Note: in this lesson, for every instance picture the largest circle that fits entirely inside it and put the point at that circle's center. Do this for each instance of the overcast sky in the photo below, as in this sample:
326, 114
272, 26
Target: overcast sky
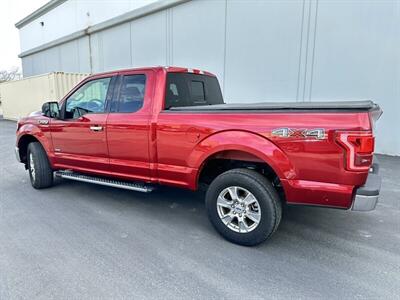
11, 11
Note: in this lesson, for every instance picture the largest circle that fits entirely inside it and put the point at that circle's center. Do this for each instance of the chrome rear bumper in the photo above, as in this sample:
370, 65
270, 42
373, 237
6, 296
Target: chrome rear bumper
17, 154
366, 197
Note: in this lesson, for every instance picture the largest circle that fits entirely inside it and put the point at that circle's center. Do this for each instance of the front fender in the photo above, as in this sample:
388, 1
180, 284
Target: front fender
244, 141
42, 134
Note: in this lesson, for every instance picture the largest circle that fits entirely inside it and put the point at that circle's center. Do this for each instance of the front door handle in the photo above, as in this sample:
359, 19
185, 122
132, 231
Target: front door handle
96, 128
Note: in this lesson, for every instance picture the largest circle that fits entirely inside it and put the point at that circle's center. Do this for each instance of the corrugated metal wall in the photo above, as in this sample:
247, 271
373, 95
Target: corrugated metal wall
73, 56
260, 50
21, 97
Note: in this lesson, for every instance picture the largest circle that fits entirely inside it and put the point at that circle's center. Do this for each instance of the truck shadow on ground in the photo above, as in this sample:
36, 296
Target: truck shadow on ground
300, 224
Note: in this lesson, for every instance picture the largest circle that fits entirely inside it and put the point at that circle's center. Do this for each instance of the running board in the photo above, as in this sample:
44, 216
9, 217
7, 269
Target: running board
105, 181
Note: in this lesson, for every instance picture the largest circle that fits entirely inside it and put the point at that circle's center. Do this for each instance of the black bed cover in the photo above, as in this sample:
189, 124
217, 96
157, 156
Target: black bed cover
365, 105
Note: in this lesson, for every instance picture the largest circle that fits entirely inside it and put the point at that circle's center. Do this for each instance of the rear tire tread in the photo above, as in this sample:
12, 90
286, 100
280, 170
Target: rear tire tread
267, 187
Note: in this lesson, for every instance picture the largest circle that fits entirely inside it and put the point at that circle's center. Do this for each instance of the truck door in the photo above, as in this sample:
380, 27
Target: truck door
79, 136
128, 126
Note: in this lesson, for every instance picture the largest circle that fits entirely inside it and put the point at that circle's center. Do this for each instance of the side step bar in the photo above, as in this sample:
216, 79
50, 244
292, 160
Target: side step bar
104, 181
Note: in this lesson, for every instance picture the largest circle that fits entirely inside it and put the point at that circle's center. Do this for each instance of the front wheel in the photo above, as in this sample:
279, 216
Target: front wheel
243, 206
40, 171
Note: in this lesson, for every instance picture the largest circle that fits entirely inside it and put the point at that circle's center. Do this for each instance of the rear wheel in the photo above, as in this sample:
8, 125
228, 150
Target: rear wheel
39, 168
243, 206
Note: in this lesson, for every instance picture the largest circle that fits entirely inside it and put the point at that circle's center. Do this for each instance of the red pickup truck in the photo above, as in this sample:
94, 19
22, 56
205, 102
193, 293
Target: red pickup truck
138, 128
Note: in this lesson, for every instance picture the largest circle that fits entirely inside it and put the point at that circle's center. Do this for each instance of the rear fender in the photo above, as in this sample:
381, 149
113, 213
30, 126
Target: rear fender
243, 141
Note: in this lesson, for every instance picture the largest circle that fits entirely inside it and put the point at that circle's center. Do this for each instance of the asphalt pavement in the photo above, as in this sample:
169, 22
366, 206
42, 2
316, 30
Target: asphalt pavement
79, 240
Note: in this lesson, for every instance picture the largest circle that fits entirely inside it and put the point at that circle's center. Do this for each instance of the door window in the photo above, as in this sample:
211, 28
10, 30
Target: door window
132, 93
89, 98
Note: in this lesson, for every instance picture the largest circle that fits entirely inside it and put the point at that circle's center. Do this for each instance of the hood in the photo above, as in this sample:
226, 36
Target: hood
35, 114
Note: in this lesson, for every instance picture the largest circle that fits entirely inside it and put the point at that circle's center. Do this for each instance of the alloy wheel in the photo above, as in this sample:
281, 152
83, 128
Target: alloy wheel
238, 209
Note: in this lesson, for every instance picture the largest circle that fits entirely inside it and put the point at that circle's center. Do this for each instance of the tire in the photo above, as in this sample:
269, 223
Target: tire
267, 209
40, 172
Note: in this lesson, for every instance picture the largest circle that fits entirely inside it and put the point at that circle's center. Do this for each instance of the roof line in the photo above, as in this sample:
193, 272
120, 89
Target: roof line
39, 12
65, 39
126, 17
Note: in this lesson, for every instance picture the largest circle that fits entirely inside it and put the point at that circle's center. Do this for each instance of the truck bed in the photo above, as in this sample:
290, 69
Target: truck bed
365, 105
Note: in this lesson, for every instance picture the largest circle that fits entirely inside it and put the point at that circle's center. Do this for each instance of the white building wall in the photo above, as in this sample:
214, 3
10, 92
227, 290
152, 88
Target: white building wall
260, 50
198, 36
72, 56
357, 57
72, 16
149, 38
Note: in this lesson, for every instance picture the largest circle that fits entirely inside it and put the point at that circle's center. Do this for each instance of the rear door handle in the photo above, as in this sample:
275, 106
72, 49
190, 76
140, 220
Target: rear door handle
96, 128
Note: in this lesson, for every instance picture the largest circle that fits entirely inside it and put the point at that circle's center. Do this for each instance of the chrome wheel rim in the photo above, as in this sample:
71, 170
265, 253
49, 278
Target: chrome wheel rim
238, 209
32, 167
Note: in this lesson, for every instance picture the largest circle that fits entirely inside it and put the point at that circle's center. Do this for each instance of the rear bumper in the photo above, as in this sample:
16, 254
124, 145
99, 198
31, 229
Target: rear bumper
366, 196
18, 157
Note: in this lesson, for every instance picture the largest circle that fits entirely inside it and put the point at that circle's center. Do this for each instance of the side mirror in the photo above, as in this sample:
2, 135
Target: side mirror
51, 109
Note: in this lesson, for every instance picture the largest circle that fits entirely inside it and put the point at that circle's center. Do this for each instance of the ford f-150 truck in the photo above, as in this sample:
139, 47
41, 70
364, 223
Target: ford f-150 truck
139, 128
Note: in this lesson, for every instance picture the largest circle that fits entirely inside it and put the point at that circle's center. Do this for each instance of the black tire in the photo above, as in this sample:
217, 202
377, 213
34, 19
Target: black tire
43, 177
267, 197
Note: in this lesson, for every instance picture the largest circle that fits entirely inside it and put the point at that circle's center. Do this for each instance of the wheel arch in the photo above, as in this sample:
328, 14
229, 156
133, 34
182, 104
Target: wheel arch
23, 143
28, 133
242, 146
249, 144
27, 137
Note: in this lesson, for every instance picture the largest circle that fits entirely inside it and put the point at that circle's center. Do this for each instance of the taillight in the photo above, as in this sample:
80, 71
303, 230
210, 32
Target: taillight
359, 147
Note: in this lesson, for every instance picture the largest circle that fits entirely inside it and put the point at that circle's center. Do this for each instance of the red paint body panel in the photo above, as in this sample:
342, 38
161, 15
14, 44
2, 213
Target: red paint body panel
171, 148
30, 126
318, 193
76, 145
128, 137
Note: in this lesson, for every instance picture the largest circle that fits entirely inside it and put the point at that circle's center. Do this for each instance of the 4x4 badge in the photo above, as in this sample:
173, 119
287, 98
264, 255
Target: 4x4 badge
318, 133
43, 122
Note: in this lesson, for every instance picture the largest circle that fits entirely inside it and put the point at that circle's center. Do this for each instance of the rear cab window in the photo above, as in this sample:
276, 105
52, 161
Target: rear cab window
187, 89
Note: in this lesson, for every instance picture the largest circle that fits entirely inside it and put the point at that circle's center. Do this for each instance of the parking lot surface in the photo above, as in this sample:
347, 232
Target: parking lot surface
78, 240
